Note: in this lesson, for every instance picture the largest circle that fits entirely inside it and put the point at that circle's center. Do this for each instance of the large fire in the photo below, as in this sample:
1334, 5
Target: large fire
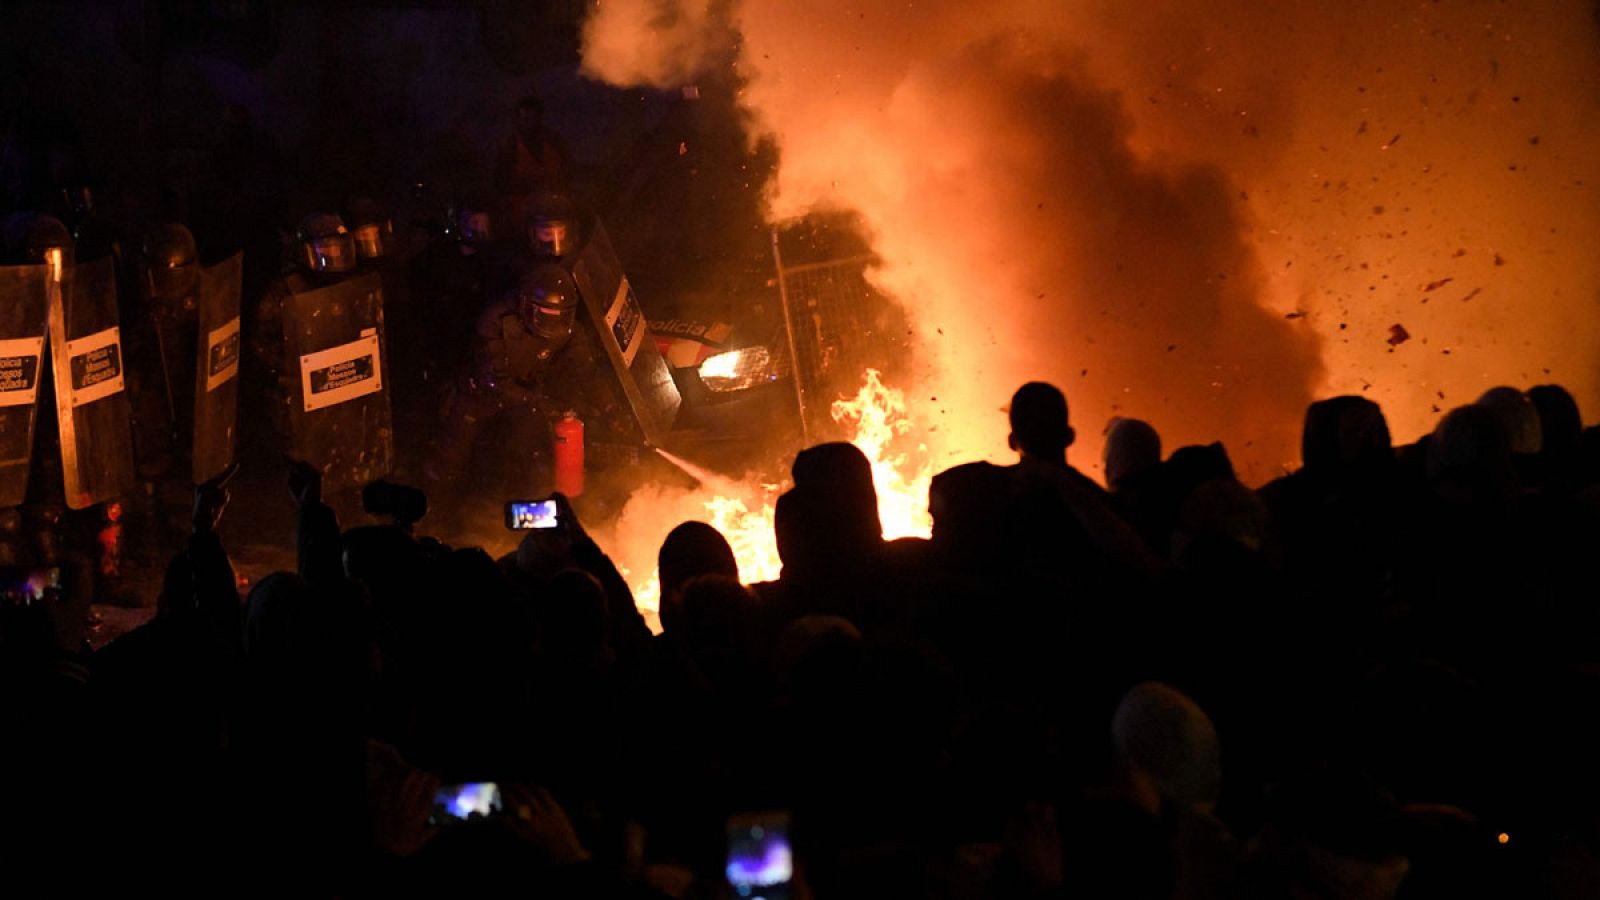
1200, 214
1204, 215
877, 421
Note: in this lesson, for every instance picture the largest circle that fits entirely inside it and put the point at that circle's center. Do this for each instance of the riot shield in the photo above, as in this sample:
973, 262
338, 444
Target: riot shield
635, 359
216, 382
91, 403
340, 418
23, 298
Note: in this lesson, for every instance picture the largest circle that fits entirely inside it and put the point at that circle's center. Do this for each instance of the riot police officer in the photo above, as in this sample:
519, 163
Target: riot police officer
520, 338
552, 227
320, 336
453, 279
38, 239
81, 464
372, 232
92, 236
326, 251
323, 254
377, 251
31, 531
160, 333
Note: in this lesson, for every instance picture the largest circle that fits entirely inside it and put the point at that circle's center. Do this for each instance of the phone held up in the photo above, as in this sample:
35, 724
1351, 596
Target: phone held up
522, 515
760, 864
465, 802
27, 586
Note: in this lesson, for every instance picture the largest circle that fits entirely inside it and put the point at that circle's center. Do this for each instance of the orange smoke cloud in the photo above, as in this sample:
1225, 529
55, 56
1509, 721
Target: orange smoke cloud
1201, 214
631, 42
1431, 166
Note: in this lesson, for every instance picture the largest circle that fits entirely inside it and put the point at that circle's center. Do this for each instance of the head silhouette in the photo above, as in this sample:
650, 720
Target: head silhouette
692, 549
1469, 455
1344, 431
1132, 447
1560, 426
1039, 428
843, 471
1517, 415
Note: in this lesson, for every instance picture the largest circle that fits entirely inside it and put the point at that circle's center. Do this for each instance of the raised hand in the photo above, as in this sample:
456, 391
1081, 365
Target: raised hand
211, 498
567, 518
537, 818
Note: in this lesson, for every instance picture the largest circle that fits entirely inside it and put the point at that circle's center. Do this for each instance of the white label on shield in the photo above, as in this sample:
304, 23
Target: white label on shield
332, 376
626, 322
222, 355
95, 366
19, 370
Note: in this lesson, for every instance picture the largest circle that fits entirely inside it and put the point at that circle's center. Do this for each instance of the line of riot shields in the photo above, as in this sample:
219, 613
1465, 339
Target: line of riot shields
120, 379
73, 362
112, 381
62, 344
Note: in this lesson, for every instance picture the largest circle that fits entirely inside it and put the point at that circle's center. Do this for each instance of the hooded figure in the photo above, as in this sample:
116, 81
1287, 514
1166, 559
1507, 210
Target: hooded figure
844, 471
690, 550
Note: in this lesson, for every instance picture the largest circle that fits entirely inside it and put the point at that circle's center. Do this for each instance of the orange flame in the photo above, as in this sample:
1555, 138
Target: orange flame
879, 419
1204, 215
879, 415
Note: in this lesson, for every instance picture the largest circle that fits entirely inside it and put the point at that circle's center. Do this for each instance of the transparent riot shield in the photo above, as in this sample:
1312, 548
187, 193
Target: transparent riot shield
619, 323
340, 416
23, 298
216, 381
92, 409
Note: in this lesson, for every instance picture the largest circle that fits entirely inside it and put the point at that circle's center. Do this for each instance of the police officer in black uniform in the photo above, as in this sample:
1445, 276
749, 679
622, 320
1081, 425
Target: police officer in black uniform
578, 381
32, 532
519, 339
552, 228
160, 334
323, 253
462, 269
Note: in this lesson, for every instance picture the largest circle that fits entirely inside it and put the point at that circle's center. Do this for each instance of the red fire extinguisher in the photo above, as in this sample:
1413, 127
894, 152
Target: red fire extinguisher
569, 454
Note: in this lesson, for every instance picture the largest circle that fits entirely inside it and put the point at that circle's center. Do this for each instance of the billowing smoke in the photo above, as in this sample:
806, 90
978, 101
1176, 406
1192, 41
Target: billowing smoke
663, 43
1202, 214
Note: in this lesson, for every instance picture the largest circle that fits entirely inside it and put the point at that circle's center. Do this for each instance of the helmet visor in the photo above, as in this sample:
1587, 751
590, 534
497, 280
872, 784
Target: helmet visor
551, 322
173, 281
552, 236
333, 253
370, 240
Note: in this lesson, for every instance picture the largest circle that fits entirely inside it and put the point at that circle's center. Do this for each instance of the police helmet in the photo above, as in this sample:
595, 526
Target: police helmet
548, 304
170, 261
371, 229
552, 226
38, 239
325, 245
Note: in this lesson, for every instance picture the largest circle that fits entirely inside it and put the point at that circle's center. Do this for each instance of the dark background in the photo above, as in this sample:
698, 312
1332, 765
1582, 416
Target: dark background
405, 103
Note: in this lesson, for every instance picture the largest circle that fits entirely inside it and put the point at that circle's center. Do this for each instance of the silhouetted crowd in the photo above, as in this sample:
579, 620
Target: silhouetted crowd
1375, 677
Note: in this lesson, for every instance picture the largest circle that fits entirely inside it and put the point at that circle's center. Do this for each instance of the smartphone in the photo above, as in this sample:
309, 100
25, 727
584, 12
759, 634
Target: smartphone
25, 585
465, 802
760, 864
524, 514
